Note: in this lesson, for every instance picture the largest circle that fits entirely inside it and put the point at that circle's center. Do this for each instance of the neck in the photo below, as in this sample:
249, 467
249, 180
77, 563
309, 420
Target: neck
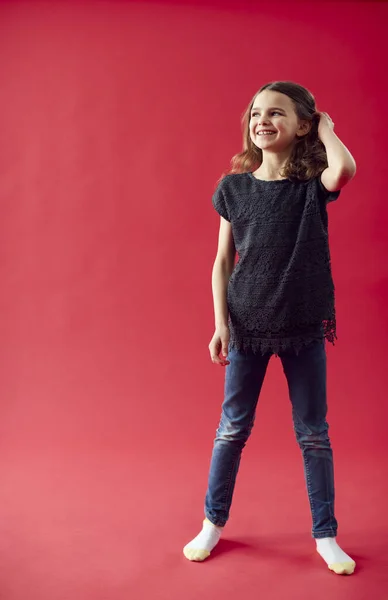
272, 165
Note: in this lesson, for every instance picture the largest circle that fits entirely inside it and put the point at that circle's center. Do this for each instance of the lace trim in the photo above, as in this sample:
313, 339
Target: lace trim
276, 345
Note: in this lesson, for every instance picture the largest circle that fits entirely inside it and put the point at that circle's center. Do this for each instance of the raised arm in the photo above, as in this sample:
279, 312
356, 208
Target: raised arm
342, 166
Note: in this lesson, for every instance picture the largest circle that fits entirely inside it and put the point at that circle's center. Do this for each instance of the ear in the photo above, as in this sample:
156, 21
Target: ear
304, 128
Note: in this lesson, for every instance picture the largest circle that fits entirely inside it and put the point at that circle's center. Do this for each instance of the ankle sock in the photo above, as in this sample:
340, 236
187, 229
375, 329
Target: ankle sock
336, 559
200, 547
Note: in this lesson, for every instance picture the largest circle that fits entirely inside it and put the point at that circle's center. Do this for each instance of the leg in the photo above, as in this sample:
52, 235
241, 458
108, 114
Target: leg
243, 381
306, 377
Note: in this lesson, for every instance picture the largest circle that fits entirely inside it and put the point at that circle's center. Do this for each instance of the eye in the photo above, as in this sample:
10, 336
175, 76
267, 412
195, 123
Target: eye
274, 112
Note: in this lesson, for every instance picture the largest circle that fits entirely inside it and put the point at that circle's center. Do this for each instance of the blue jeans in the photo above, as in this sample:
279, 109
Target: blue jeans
306, 377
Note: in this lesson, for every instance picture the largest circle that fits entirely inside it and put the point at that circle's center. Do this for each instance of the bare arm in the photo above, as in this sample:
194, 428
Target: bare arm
222, 270
342, 166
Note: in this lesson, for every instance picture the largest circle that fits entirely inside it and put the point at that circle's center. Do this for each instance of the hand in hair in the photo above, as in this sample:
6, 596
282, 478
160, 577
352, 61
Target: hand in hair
325, 123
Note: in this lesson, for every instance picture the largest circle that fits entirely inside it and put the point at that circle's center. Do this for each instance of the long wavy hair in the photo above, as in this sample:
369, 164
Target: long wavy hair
308, 158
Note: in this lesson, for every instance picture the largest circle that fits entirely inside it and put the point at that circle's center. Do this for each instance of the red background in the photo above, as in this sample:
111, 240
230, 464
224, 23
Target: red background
116, 120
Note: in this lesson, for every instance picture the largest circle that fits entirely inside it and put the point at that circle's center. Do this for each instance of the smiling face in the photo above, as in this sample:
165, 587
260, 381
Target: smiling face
274, 124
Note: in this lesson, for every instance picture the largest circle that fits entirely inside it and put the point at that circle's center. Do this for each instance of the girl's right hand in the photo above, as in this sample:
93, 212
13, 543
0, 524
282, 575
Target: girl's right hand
219, 343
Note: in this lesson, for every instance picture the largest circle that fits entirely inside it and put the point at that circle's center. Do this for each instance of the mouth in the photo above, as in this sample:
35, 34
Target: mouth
266, 132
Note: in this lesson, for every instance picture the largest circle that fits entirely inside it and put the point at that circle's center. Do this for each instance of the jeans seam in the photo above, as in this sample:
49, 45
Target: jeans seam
306, 466
228, 486
330, 500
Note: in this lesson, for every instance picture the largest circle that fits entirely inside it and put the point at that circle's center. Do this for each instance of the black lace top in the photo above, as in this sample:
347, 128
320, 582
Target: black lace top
281, 292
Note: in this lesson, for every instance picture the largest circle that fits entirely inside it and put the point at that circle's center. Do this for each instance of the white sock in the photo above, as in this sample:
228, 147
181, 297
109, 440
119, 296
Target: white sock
200, 547
336, 559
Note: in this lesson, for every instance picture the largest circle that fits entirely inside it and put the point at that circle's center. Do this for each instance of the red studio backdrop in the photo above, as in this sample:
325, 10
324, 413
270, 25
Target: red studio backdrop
116, 121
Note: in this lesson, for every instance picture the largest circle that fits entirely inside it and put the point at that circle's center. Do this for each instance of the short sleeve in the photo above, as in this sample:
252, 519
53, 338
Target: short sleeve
219, 203
324, 194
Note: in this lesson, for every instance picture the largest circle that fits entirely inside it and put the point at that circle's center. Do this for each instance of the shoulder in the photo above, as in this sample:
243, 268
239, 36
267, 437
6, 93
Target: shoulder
227, 193
233, 182
313, 189
317, 188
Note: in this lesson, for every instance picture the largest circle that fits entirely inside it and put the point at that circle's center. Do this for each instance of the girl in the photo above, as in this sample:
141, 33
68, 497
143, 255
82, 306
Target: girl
278, 298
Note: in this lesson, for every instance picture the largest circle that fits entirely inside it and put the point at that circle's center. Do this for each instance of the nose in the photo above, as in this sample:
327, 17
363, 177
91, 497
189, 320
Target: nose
264, 120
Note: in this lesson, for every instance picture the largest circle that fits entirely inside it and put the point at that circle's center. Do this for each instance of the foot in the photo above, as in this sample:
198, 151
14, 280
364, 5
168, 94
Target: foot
336, 559
200, 547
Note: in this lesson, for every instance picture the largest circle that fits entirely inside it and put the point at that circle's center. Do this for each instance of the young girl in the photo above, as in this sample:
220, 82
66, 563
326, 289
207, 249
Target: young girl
278, 298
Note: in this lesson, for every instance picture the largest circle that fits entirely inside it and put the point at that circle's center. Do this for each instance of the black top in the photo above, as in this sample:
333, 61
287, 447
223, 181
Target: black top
281, 292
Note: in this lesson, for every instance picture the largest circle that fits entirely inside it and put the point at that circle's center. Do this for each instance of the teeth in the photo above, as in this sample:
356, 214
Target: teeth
266, 132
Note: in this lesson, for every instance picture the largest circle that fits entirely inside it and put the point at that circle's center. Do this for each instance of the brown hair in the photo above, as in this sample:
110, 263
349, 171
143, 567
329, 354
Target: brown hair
308, 158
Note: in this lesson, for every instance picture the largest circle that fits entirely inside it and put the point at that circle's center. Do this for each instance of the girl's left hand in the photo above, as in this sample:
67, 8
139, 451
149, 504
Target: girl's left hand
325, 123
